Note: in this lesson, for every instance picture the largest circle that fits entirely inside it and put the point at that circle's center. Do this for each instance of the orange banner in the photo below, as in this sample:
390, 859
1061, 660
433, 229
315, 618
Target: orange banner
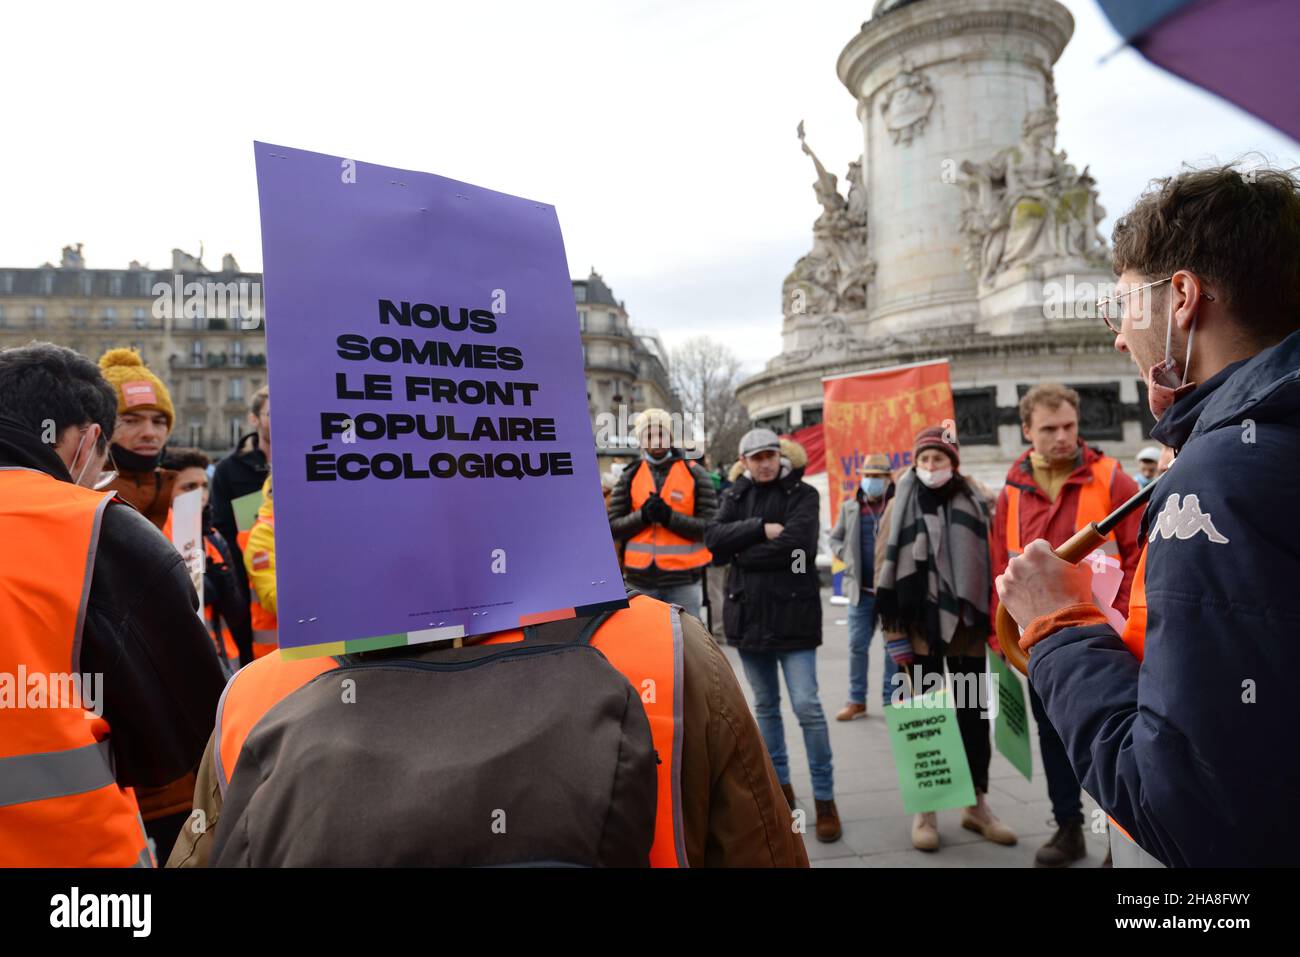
880, 411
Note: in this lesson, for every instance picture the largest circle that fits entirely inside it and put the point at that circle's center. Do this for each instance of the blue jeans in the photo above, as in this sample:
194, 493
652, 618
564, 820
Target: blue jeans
690, 597
862, 625
801, 681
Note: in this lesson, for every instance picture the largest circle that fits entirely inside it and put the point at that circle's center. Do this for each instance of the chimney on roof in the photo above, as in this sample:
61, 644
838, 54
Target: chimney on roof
184, 262
228, 263
72, 258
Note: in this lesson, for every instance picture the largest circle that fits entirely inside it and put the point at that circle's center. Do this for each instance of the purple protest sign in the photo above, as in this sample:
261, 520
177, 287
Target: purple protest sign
433, 469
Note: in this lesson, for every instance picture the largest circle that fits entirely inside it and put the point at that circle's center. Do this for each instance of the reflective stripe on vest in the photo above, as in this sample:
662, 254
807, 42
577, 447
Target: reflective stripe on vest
60, 804
643, 642
1093, 505
656, 544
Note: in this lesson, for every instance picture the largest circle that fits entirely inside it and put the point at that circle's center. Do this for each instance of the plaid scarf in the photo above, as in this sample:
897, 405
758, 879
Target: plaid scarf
937, 573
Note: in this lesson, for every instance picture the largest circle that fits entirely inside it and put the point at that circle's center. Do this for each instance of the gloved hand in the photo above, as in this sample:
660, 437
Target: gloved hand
656, 511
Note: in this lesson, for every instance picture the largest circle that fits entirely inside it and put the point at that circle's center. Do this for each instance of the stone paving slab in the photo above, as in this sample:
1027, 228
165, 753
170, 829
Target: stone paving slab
877, 833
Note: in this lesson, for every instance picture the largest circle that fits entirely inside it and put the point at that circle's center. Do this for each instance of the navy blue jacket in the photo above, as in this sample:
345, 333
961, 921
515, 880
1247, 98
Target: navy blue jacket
1196, 751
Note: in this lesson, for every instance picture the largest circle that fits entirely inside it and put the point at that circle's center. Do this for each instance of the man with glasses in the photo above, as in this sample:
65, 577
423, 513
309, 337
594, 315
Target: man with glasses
97, 606
1181, 725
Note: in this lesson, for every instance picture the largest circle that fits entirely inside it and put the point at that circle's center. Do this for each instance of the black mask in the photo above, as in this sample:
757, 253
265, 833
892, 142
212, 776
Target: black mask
128, 461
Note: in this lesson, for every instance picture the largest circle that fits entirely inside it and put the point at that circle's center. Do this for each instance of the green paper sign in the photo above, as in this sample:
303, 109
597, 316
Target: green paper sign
245, 508
1011, 726
932, 770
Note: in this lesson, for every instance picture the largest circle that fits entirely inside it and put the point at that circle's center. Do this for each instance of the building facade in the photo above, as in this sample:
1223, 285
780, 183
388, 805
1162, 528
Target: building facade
626, 367
200, 331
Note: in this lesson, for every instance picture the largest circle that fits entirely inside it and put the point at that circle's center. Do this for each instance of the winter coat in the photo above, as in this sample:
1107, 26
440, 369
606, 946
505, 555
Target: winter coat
149, 493
1055, 521
624, 523
240, 473
1193, 749
846, 544
773, 597
967, 642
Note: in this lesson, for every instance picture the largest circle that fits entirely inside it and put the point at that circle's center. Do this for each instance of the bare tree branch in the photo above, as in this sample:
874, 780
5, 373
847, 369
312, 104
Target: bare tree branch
705, 374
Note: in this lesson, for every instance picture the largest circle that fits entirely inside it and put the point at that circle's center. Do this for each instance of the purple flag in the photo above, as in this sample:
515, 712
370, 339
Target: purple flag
434, 474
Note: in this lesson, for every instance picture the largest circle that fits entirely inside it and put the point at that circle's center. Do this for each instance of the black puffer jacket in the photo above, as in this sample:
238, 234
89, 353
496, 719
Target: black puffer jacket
240, 473
773, 598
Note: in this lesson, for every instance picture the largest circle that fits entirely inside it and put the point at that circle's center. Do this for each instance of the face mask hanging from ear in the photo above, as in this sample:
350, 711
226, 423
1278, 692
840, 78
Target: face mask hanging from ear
84, 465
1165, 384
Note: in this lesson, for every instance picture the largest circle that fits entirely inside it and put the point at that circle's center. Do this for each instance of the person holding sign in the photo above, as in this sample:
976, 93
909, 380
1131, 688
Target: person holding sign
1054, 489
933, 587
1182, 726
660, 508
225, 608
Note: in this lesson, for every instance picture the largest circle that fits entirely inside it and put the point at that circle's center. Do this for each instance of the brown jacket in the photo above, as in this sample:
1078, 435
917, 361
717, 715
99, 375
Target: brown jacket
733, 810
150, 493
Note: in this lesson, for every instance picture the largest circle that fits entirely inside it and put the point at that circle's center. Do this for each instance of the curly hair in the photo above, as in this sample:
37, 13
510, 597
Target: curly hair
1237, 228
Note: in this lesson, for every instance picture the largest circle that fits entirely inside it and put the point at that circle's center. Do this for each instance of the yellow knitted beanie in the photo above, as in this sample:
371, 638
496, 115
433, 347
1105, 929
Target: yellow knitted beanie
138, 389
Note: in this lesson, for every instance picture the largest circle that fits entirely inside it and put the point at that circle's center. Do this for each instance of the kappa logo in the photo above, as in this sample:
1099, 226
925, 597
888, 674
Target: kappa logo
1182, 522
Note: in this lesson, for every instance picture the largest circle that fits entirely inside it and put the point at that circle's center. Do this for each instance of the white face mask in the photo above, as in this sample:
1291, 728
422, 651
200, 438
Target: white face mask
101, 479
936, 479
84, 465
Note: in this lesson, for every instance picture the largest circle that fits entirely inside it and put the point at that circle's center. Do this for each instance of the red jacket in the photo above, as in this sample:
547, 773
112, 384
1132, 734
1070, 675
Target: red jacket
1055, 521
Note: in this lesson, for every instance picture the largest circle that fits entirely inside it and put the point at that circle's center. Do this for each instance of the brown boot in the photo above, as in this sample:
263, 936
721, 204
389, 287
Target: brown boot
788, 791
828, 822
851, 711
1064, 848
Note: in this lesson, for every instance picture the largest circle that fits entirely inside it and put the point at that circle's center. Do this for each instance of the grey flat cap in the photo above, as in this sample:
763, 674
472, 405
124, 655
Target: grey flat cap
759, 440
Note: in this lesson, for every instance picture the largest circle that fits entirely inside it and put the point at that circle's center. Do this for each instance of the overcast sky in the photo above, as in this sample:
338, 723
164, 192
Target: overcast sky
663, 132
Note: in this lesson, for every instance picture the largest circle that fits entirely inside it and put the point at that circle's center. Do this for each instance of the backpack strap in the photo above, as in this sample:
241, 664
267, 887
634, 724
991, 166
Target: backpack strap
572, 630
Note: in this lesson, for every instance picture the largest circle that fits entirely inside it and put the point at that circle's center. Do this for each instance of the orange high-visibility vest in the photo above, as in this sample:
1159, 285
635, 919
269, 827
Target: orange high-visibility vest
60, 804
643, 641
1094, 505
656, 544
1135, 628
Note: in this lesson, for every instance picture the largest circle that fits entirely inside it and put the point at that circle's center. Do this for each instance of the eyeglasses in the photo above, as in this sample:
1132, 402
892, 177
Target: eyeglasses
1111, 308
